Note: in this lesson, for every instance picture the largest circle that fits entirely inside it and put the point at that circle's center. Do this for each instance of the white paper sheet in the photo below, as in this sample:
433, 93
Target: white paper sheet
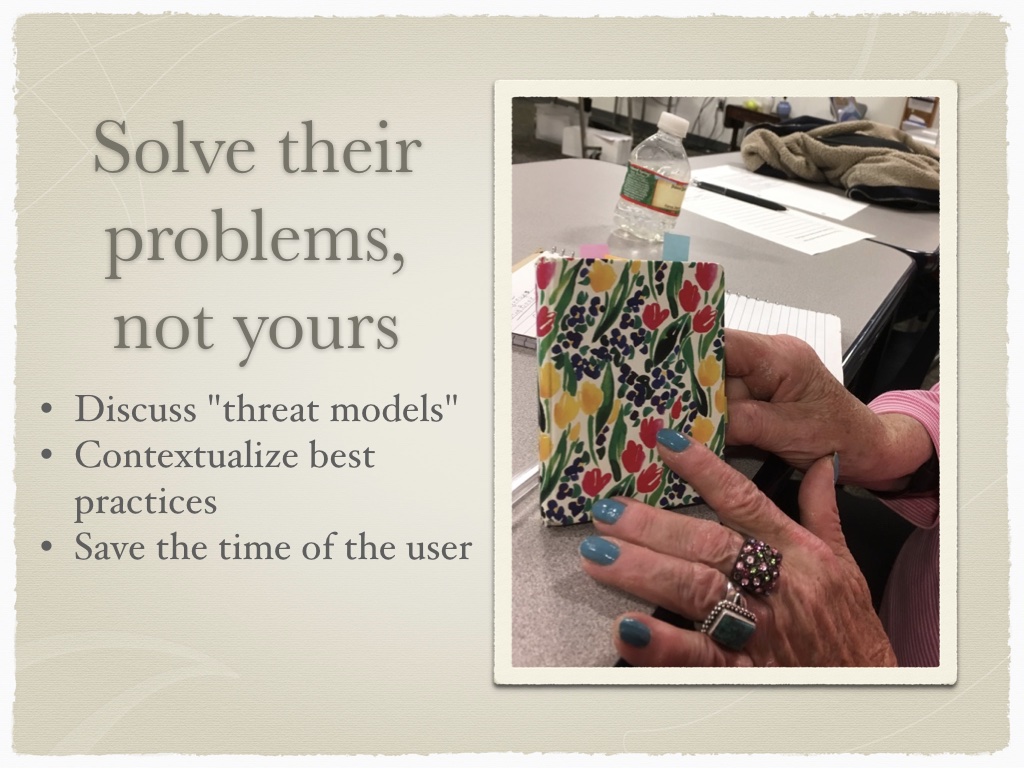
524, 302
790, 229
821, 331
789, 193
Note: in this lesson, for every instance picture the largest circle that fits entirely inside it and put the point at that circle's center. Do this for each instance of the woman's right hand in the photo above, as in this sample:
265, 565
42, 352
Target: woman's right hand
820, 615
782, 399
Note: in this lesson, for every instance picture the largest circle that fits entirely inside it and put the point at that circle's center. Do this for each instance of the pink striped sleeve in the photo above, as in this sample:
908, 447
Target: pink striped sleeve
923, 405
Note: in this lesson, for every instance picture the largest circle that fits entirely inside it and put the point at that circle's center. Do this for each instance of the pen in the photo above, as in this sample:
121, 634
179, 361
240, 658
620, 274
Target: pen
739, 195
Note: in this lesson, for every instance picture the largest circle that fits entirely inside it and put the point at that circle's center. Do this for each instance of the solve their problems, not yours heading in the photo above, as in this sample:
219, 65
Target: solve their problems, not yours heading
246, 238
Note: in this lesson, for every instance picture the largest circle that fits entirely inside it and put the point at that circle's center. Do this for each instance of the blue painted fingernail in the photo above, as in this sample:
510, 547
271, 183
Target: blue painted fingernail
835, 468
598, 550
608, 510
673, 440
634, 633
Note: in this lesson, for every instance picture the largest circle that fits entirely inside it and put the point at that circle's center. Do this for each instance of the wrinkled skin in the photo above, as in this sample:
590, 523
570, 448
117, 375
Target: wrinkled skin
781, 399
821, 612
784, 400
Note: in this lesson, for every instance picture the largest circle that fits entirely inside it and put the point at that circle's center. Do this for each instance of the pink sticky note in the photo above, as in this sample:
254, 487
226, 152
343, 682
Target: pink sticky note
594, 251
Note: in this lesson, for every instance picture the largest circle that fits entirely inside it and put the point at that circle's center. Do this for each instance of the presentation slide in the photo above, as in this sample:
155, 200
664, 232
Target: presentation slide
278, 483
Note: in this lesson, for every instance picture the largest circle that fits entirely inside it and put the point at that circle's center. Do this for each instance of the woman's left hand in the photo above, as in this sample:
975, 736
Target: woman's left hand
820, 614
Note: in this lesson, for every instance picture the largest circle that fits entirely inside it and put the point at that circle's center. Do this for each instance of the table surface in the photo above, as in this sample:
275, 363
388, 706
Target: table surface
560, 617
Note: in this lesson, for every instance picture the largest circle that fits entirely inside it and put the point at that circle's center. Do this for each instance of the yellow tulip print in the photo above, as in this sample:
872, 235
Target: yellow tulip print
703, 430
709, 371
565, 410
544, 446
591, 398
720, 399
574, 433
615, 411
602, 277
549, 380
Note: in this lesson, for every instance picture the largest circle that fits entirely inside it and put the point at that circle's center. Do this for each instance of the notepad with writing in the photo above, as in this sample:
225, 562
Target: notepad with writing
524, 303
624, 349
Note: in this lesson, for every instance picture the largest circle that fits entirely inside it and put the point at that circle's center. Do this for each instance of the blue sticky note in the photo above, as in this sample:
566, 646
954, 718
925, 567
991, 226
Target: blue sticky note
677, 247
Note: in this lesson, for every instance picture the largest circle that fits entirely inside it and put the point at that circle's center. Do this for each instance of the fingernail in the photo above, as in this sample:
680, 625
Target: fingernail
835, 468
634, 633
598, 550
673, 440
608, 510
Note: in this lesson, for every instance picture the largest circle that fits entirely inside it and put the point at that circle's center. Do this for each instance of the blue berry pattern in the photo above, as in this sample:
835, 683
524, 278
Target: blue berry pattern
624, 349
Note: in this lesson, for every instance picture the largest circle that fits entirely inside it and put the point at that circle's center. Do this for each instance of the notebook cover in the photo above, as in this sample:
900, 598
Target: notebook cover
624, 348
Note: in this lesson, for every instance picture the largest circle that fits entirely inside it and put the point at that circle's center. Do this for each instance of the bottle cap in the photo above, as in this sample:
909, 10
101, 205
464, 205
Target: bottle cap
673, 124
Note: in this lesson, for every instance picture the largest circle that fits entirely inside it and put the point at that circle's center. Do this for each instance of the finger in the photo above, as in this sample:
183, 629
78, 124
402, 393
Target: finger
766, 363
738, 502
753, 422
753, 357
817, 499
744, 352
736, 389
671, 533
644, 641
687, 588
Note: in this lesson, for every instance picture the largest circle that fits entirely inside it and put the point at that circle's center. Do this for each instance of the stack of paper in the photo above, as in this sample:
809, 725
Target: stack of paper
820, 202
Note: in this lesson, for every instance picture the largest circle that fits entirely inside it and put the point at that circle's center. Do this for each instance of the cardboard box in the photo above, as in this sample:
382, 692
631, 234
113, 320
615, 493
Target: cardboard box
605, 145
552, 119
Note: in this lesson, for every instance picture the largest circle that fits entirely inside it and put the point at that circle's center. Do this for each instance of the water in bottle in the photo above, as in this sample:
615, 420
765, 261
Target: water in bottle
658, 174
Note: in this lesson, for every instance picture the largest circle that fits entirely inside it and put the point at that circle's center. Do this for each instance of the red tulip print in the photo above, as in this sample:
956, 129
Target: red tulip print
677, 410
649, 479
545, 271
649, 429
689, 296
594, 481
545, 322
706, 274
633, 456
704, 320
654, 316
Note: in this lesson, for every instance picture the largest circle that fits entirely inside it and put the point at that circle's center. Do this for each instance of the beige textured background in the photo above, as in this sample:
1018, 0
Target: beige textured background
301, 657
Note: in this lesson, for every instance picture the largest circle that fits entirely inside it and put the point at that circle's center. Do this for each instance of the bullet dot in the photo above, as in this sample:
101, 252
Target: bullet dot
46, 453
383, 123
46, 407
46, 546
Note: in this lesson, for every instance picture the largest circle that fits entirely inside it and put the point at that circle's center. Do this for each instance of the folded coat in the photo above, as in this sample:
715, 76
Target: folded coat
874, 163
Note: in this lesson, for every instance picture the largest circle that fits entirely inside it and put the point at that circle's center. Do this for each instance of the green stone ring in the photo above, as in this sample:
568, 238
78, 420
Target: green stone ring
730, 623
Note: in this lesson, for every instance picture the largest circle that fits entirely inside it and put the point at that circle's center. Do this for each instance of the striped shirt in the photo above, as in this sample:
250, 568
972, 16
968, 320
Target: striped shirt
910, 606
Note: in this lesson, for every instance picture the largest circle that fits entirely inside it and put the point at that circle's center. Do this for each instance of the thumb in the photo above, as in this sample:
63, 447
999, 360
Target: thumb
817, 499
753, 422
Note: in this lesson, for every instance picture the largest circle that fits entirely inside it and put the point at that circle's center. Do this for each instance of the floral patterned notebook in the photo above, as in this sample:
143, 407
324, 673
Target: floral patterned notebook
624, 348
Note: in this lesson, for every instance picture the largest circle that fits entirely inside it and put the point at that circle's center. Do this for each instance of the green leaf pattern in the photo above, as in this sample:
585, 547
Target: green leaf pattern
636, 346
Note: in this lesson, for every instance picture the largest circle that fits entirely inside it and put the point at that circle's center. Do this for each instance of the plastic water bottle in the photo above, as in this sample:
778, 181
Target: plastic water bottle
659, 172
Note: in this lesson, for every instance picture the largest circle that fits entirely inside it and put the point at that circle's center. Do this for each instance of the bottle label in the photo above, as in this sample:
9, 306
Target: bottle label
652, 190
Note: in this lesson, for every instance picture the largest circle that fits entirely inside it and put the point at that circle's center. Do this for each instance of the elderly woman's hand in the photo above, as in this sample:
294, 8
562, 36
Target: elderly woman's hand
784, 400
820, 613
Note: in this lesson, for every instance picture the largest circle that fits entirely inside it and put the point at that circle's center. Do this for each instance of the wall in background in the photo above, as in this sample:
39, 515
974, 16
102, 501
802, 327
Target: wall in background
708, 123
